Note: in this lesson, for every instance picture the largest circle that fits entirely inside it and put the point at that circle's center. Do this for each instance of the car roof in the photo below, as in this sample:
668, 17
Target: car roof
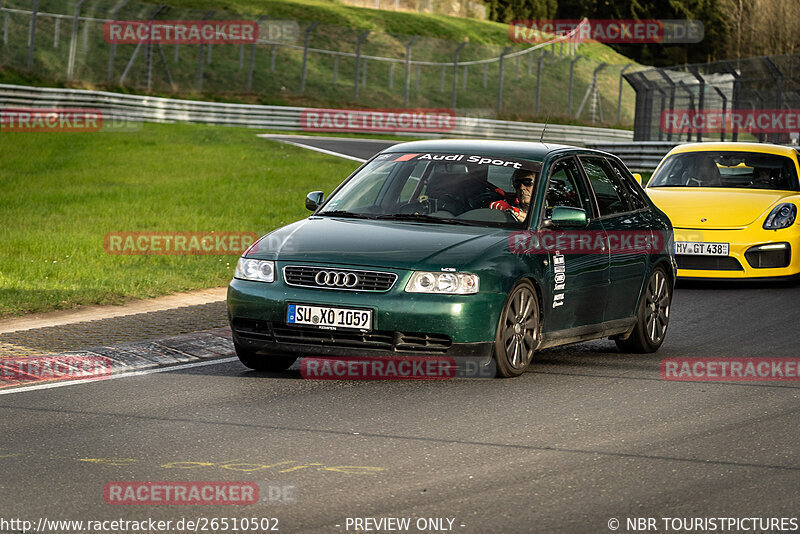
763, 148
516, 149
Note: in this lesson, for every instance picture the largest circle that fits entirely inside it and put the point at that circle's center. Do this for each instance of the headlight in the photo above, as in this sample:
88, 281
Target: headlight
255, 270
781, 216
450, 283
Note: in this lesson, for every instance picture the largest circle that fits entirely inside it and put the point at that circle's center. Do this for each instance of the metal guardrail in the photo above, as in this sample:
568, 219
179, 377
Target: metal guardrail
156, 109
640, 156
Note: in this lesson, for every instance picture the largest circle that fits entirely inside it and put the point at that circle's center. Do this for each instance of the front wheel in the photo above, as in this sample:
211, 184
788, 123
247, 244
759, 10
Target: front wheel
652, 318
517, 331
262, 362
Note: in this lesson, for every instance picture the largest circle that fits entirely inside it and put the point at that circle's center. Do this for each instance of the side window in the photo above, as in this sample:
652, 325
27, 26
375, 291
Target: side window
565, 188
609, 189
634, 193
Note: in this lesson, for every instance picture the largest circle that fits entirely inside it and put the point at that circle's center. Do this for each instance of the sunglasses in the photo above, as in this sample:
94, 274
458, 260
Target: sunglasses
523, 181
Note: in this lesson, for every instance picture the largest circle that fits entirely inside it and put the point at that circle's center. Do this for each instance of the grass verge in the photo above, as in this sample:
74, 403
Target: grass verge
62, 192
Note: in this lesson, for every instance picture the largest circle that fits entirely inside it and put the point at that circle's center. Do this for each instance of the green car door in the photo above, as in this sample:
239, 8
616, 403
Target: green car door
577, 284
624, 216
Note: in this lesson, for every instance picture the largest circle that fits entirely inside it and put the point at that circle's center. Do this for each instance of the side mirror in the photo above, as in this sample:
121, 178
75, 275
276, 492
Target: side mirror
566, 217
313, 200
638, 177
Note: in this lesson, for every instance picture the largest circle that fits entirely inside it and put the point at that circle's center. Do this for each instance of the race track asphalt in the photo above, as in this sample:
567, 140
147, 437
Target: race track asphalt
587, 436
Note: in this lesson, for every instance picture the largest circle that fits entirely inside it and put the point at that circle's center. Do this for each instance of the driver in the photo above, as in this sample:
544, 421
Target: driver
762, 179
523, 181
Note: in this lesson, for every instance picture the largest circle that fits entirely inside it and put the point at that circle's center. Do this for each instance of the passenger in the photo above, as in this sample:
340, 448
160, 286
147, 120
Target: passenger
761, 178
770, 179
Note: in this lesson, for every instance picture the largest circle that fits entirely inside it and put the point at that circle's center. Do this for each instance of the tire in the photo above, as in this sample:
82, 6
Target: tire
259, 362
652, 318
517, 331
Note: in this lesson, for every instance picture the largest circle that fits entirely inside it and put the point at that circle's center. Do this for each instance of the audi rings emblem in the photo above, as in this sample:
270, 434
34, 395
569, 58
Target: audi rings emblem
336, 279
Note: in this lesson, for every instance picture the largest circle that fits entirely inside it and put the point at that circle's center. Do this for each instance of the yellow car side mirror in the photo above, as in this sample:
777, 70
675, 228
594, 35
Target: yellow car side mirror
638, 177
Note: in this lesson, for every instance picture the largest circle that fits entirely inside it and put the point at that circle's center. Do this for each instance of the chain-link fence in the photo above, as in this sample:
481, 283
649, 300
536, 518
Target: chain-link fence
722, 91
301, 62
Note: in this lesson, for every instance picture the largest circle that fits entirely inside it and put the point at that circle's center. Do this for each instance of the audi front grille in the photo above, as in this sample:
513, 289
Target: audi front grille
338, 279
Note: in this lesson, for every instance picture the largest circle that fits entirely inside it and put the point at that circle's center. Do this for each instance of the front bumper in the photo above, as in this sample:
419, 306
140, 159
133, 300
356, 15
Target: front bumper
739, 265
274, 341
404, 324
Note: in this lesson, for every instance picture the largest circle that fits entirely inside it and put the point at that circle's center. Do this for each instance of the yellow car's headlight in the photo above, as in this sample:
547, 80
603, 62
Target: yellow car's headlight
781, 216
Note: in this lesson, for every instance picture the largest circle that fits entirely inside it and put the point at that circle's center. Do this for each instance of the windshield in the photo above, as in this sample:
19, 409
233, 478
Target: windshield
469, 189
744, 170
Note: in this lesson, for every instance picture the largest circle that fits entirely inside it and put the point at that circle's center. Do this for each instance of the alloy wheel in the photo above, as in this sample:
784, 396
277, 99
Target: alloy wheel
520, 328
657, 304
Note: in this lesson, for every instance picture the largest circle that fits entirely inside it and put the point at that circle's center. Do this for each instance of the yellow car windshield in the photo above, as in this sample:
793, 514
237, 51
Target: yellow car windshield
745, 170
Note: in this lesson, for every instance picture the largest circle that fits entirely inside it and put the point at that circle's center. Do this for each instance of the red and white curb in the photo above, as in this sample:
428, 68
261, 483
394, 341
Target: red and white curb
142, 357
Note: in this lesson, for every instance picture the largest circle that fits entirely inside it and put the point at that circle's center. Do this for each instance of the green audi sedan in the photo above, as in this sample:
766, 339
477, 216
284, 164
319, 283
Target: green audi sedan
474, 250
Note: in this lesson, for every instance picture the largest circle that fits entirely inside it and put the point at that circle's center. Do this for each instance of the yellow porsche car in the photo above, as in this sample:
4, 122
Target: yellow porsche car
733, 207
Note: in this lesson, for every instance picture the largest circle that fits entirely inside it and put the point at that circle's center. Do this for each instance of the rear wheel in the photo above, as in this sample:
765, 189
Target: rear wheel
653, 316
517, 331
259, 362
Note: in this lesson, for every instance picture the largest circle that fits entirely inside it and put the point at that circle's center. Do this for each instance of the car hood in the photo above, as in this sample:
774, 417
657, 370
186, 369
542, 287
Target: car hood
393, 244
714, 208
